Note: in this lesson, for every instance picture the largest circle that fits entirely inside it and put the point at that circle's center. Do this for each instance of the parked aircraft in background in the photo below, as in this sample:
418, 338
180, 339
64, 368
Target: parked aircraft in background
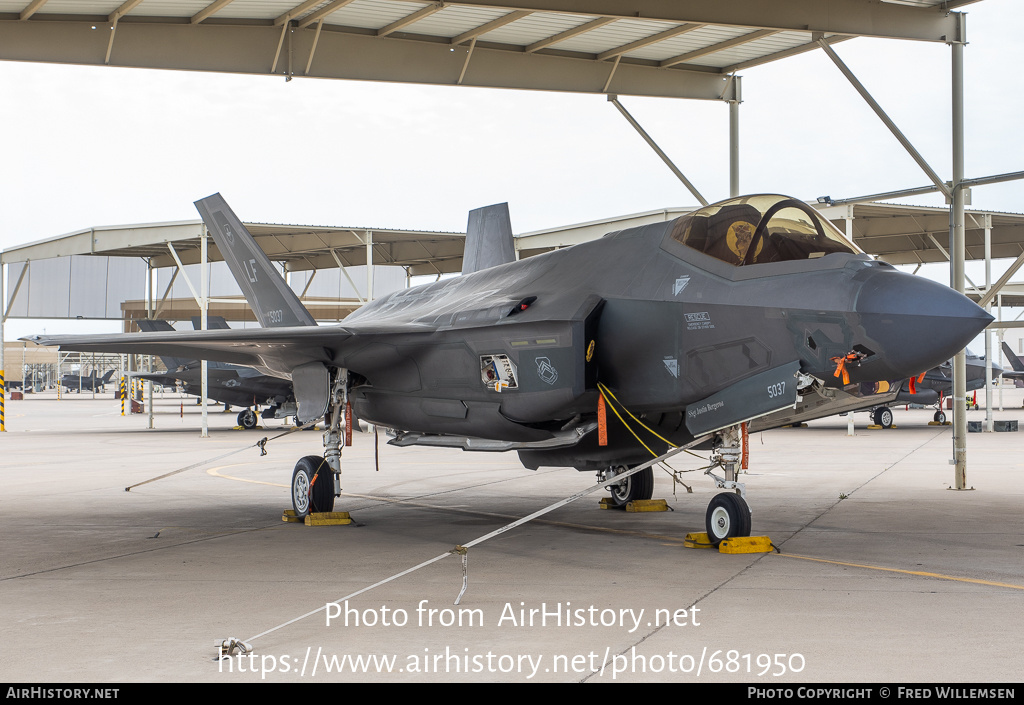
1017, 365
754, 309
77, 383
228, 384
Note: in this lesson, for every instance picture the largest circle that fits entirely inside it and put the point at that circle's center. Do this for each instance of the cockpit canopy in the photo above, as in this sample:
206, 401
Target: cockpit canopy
760, 229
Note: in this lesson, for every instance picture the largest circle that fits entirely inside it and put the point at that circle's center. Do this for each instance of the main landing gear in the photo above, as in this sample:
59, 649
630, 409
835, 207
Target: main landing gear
247, 418
638, 486
316, 481
882, 416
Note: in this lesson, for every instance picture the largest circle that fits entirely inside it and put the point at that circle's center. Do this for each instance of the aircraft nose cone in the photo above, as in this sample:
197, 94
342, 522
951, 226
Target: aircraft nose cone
915, 323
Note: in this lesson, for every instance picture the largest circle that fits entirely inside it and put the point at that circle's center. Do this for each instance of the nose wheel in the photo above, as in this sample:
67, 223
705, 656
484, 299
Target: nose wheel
728, 515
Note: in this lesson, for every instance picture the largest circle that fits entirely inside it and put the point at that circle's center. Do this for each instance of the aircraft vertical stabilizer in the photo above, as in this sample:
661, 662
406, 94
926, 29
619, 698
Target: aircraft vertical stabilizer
155, 324
270, 297
212, 323
489, 239
1012, 358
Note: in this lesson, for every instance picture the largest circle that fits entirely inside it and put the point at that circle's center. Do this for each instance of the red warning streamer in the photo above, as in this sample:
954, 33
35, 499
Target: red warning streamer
348, 423
602, 422
746, 446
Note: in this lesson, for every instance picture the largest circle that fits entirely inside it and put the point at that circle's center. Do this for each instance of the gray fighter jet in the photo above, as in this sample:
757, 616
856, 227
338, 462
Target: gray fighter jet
600, 356
929, 389
233, 385
78, 382
1017, 374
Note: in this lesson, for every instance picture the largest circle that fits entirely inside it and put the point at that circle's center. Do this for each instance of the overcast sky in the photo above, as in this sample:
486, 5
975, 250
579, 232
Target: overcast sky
87, 146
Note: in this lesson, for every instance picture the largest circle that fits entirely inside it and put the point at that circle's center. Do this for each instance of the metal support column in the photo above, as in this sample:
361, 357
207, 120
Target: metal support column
849, 236
734, 141
204, 305
987, 221
957, 252
369, 266
1002, 333
3, 378
149, 358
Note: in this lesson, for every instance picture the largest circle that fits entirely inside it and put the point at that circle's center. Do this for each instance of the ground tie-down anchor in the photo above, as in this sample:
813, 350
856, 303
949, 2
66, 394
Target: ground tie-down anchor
464, 552
229, 646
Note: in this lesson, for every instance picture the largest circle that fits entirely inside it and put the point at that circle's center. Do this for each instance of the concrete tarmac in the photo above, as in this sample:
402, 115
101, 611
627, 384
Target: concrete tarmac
885, 574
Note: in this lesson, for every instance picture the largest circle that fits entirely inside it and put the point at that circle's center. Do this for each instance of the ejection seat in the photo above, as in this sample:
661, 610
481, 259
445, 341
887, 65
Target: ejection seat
729, 232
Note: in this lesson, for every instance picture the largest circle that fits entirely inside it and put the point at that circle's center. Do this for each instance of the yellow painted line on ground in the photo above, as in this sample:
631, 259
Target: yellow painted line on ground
920, 573
215, 472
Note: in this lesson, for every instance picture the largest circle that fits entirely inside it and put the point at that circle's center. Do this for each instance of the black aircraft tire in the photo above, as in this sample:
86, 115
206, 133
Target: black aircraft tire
638, 486
312, 486
940, 417
885, 417
728, 515
247, 418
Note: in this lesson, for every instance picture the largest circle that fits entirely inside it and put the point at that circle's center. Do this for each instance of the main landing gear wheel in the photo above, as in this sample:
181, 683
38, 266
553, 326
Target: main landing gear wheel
728, 515
247, 418
940, 417
883, 417
312, 486
638, 486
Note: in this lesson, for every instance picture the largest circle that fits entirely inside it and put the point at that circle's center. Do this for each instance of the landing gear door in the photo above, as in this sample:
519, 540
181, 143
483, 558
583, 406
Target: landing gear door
760, 395
312, 386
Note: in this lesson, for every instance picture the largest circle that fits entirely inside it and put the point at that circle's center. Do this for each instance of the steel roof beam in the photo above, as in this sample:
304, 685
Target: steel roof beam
647, 41
410, 19
123, 10
784, 54
209, 10
322, 12
569, 34
489, 27
345, 55
714, 48
32, 8
295, 12
849, 17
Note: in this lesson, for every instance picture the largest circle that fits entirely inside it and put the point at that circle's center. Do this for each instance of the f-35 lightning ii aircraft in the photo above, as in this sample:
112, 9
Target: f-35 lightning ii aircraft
78, 383
227, 384
1017, 374
755, 309
931, 388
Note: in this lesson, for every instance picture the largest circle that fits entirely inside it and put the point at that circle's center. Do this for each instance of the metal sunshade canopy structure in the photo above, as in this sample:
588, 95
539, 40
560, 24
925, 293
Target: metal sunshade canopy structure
666, 48
297, 247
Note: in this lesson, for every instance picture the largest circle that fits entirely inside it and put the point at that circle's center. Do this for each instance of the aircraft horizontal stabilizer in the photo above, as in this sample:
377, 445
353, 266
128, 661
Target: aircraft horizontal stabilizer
274, 350
762, 394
